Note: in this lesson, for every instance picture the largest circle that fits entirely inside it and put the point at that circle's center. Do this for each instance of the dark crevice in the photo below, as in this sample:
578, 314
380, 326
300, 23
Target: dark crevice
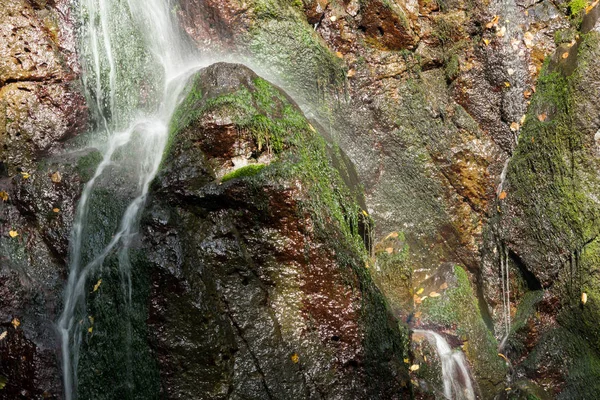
533, 283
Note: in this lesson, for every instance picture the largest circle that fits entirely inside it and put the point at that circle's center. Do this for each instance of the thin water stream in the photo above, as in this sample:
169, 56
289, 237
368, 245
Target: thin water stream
455, 372
136, 67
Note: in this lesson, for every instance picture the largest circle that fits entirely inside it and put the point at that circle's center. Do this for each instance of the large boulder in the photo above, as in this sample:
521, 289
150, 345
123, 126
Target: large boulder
259, 287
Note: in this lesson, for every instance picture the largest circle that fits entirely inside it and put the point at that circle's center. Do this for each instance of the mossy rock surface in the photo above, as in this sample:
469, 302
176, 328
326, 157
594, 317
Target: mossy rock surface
262, 275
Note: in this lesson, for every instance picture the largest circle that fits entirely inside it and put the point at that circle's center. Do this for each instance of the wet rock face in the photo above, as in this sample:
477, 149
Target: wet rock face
40, 107
251, 296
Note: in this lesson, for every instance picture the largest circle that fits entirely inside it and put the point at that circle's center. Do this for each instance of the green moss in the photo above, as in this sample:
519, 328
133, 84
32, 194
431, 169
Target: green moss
577, 6
247, 171
87, 165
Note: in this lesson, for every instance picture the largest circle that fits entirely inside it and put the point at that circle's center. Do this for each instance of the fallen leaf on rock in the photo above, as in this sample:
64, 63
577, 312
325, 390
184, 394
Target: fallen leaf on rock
295, 358
406, 361
25, 175
420, 291
4, 196
583, 298
527, 94
417, 299
502, 195
434, 294
56, 177
514, 126
444, 286
392, 235
3, 335
15, 322
339, 54
503, 356
528, 39
90, 329
97, 285
414, 367
493, 22
13, 234
542, 117
366, 214
486, 42
351, 73
523, 119
389, 250
507, 84
56, 210
565, 55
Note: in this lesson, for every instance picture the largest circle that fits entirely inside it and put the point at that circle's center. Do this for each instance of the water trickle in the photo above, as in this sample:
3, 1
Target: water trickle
135, 72
455, 373
505, 278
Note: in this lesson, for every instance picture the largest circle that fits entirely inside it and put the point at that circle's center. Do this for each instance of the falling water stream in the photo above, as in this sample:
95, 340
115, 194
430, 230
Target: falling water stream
135, 70
455, 373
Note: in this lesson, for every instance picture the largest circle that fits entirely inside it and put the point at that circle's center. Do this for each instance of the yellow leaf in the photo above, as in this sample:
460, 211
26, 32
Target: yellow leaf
444, 286
4, 196
514, 126
366, 264
523, 119
90, 329
425, 358
25, 175
493, 22
91, 319
392, 235
15, 322
339, 54
502, 195
503, 356
311, 128
3, 335
420, 291
406, 361
56, 177
414, 367
486, 41
295, 358
434, 294
366, 214
97, 285
389, 250
583, 298
56, 210
351, 73
13, 234
507, 84
565, 55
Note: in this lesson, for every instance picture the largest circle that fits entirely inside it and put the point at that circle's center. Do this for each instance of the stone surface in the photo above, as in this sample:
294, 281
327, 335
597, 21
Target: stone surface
271, 302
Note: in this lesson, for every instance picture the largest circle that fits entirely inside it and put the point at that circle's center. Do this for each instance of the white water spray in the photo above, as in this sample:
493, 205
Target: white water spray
138, 127
455, 373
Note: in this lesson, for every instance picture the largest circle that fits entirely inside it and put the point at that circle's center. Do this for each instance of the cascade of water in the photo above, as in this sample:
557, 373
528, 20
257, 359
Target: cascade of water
505, 278
455, 373
114, 35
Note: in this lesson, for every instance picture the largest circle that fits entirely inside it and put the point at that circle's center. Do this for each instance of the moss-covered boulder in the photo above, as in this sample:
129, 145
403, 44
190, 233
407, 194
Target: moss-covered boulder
259, 287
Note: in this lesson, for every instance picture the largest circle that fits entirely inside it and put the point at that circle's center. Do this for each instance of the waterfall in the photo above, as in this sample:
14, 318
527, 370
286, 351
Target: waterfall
135, 67
455, 373
505, 278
